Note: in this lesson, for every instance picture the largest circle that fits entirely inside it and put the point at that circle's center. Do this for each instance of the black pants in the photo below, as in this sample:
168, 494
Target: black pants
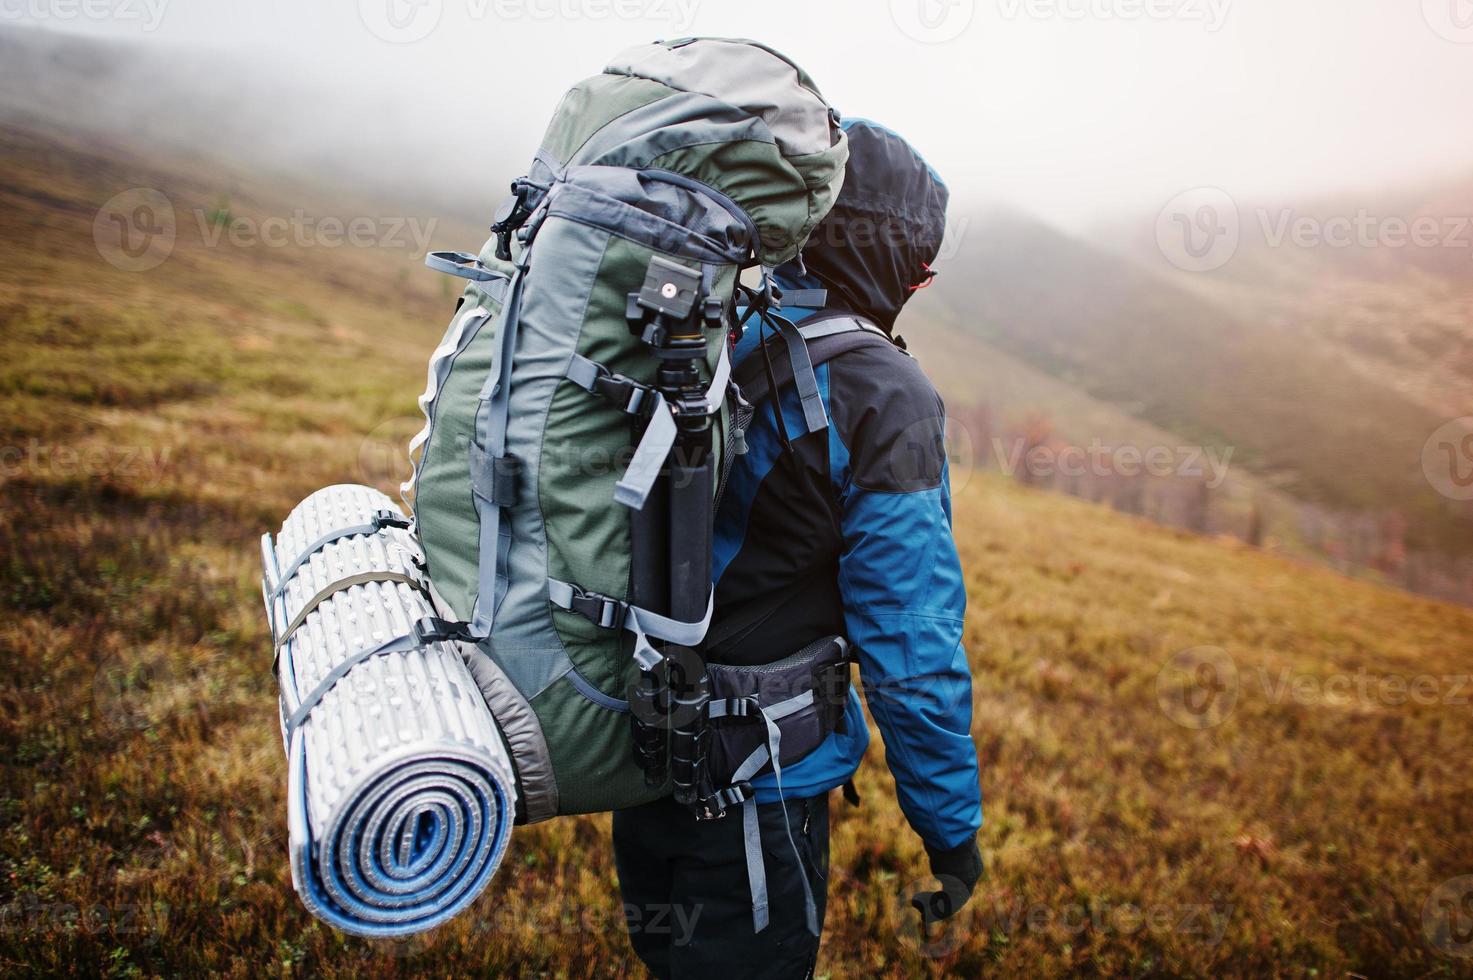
687, 901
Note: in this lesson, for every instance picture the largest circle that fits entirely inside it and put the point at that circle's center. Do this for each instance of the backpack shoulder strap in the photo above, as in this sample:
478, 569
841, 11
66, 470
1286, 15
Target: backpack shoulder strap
826, 338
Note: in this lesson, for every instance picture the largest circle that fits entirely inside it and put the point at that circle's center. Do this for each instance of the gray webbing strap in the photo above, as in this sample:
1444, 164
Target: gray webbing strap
327, 592
829, 326
808, 299
716, 390
649, 456
595, 378
399, 644
495, 531
347, 532
609, 613
732, 707
658, 439
815, 418
751, 833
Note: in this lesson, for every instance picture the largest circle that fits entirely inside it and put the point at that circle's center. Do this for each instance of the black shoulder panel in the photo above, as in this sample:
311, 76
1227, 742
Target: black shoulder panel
889, 416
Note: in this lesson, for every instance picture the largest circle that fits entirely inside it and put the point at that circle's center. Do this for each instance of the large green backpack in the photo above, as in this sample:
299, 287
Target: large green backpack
551, 427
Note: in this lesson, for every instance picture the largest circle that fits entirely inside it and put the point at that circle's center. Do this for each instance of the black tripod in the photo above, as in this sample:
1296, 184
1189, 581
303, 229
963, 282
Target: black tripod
671, 536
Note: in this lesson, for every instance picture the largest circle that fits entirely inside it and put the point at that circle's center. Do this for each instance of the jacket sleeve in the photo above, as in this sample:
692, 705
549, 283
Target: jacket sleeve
903, 592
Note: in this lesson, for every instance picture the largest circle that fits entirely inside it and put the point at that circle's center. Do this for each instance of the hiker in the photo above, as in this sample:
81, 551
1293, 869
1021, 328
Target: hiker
838, 529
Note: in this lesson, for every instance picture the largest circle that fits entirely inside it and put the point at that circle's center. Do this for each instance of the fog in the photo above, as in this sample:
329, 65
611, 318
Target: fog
1077, 110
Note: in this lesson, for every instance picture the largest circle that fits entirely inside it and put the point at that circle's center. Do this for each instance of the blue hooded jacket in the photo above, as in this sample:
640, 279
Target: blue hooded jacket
848, 530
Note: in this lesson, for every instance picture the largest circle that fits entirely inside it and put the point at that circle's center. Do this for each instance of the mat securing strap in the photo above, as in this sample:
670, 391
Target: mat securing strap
346, 582
381, 520
426, 631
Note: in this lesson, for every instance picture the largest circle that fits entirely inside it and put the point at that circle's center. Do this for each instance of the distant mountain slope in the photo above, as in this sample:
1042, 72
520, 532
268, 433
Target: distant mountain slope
1296, 412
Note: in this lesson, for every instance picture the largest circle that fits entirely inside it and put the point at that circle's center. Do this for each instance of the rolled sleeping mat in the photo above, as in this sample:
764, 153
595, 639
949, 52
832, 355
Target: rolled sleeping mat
400, 791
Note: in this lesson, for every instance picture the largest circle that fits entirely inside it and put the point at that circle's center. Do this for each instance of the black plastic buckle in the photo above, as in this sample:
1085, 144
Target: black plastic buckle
625, 394
714, 806
600, 610
388, 518
511, 215
432, 629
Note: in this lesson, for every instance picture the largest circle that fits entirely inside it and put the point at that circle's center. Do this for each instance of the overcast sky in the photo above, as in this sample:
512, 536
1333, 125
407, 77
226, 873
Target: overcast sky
1073, 109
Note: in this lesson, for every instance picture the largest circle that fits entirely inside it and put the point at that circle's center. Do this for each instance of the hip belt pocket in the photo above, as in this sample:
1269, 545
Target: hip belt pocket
803, 696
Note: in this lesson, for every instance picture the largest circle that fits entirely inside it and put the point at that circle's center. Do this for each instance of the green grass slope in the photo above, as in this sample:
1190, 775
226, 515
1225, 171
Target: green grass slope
155, 424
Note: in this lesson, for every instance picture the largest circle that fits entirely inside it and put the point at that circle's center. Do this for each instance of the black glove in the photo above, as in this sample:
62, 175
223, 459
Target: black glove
959, 870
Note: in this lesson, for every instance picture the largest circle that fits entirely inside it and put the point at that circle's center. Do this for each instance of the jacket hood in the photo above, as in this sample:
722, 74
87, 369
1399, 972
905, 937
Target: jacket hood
875, 246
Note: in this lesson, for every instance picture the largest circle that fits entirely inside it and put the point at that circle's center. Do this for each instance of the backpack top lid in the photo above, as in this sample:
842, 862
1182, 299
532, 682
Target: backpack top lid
730, 113
875, 247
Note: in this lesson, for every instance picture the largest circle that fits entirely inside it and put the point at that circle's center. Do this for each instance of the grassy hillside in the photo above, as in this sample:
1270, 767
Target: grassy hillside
155, 423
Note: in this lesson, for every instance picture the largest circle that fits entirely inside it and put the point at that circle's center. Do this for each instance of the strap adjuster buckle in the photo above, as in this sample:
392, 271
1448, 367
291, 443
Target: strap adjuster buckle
388, 518
600, 610
625, 394
432, 629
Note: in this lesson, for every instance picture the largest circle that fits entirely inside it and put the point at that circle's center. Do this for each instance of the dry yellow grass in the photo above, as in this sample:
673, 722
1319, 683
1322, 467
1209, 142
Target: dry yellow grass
156, 423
